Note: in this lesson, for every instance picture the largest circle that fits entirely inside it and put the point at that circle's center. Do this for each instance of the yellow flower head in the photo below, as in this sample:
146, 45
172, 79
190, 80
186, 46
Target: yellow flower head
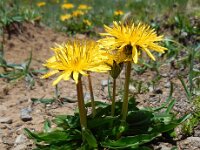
41, 4
77, 13
67, 6
65, 17
87, 22
74, 59
118, 12
84, 7
132, 39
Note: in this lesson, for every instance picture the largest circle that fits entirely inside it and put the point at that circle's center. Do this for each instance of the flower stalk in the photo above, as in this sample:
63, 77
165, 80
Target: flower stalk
81, 105
126, 91
91, 95
113, 98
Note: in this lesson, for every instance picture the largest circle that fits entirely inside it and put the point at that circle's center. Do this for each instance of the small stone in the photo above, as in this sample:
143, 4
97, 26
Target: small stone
104, 83
20, 139
164, 75
167, 85
87, 97
48, 105
3, 109
197, 133
3, 126
38, 111
25, 114
163, 147
194, 141
20, 147
150, 88
184, 34
80, 36
132, 89
6, 120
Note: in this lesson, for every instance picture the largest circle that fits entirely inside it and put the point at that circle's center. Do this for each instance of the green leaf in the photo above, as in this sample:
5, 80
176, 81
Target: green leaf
52, 137
67, 121
139, 117
170, 106
60, 119
160, 128
91, 140
98, 122
187, 91
43, 100
130, 141
97, 104
163, 117
47, 126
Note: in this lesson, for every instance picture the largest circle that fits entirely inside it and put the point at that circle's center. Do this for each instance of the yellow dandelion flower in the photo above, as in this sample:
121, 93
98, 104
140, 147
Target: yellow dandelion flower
84, 7
118, 13
41, 4
74, 59
131, 39
87, 22
77, 13
67, 6
65, 17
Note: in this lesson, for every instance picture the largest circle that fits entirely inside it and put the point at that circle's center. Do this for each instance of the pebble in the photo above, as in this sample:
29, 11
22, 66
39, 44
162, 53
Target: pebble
150, 88
20, 139
104, 83
164, 75
132, 89
167, 85
194, 141
25, 114
80, 36
3, 126
20, 147
6, 120
87, 97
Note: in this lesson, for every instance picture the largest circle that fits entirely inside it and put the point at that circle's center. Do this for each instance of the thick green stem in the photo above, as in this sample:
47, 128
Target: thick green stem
81, 105
91, 95
126, 91
113, 98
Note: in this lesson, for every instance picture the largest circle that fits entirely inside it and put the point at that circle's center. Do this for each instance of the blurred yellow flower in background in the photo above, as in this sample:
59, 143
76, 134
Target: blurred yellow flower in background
65, 17
84, 7
75, 58
118, 12
87, 22
67, 6
41, 4
131, 39
77, 13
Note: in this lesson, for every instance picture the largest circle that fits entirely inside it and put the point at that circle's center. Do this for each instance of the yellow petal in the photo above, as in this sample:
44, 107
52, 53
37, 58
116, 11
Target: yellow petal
49, 74
75, 76
149, 54
58, 79
135, 55
83, 73
67, 75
